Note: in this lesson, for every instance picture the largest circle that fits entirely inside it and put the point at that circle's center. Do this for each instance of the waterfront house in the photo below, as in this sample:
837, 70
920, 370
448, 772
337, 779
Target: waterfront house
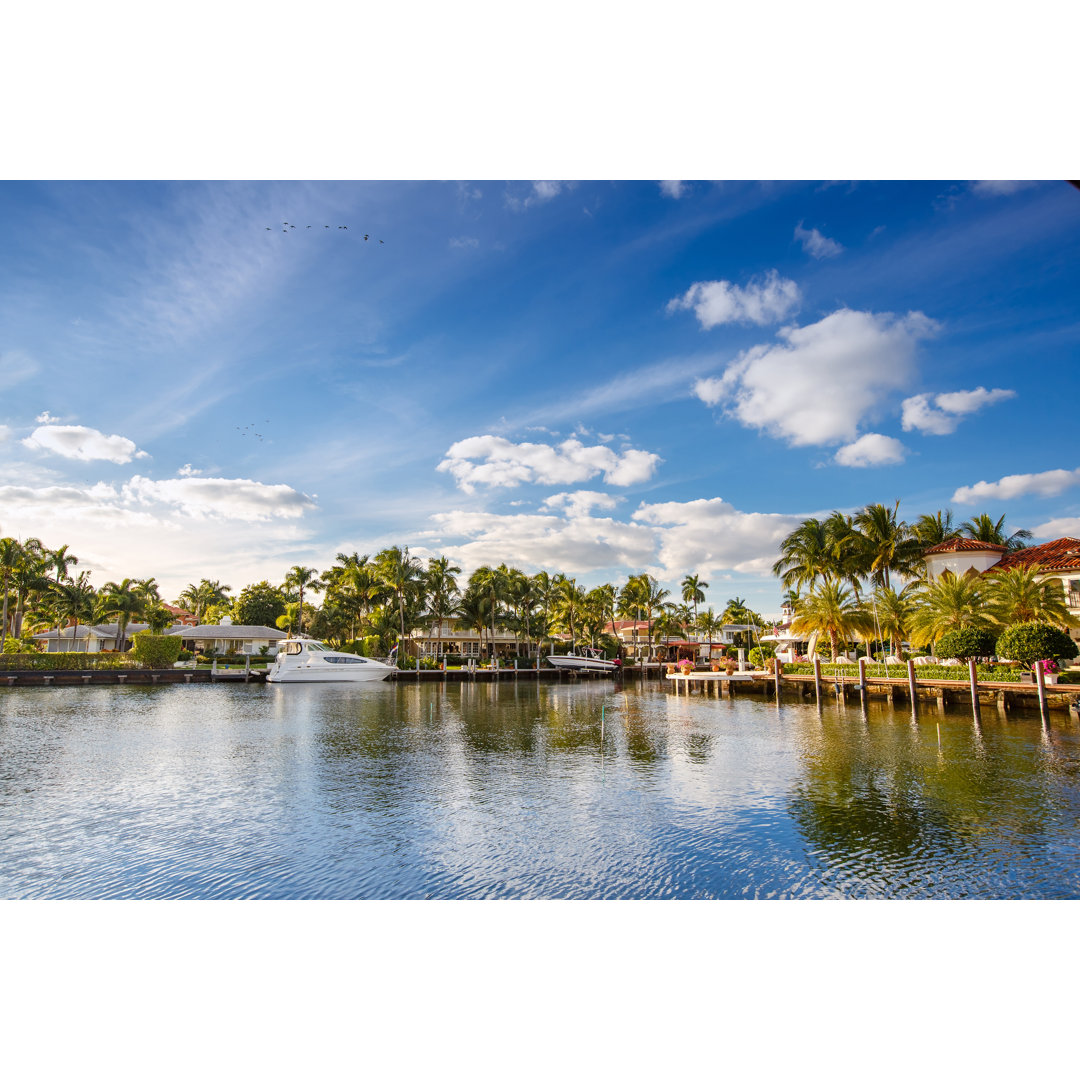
225, 637
1057, 560
88, 639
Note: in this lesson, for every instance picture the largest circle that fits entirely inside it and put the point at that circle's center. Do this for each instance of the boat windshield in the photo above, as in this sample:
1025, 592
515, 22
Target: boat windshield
314, 646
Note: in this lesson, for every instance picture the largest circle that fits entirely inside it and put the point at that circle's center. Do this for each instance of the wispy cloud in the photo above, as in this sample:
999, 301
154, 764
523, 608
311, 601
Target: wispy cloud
83, 444
940, 414
1045, 484
817, 245
674, 189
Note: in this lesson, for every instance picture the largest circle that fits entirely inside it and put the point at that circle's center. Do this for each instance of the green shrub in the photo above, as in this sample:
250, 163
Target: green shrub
156, 650
1031, 641
760, 653
185, 654
70, 661
965, 644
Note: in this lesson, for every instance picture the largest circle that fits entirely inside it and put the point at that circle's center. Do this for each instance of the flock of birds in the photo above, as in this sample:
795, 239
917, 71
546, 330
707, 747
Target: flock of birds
251, 427
286, 227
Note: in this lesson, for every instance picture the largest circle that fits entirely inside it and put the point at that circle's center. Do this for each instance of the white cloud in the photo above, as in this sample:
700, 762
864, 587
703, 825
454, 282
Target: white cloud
139, 531
492, 461
1058, 527
762, 301
813, 243
83, 443
1052, 482
15, 366
822, 380
674, 189
571, 545
188, 470
1000, 187
46, 418
238, 499
464, 242
940, 414
581, 503
871, 449
5, 433
709, 535
668, 539
542, 191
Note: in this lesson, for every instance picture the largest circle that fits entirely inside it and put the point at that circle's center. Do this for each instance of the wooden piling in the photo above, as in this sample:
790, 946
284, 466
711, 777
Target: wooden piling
973, 679
817, 678
776, 676
913, 686
1040, 682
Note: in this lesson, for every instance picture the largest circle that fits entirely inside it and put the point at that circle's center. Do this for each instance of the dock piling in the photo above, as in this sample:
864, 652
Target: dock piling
973, 678
1040, 682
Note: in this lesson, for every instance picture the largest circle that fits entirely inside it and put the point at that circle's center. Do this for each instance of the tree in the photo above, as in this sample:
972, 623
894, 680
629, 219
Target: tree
440, 585
967, 644
569, 606
75, 600
1030, 642
947, 603
887, 543
985, 529
122, 603
631, 602
260, 604
301, 577
60, 560
693, 591
709, 623
931, 529
400, 573
830, 609
805, 556
893, 612
198, 598
1015, 596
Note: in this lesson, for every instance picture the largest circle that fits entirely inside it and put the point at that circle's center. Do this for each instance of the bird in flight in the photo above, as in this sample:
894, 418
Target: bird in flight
286, 226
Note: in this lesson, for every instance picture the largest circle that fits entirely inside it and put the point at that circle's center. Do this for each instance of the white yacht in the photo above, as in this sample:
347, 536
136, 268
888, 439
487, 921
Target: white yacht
301, 660
584, 660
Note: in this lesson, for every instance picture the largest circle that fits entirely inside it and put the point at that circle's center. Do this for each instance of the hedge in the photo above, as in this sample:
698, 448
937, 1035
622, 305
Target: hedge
156, 650
954, 672
70, 661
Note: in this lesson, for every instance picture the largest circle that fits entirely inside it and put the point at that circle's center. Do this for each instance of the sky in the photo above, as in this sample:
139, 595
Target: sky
595, 378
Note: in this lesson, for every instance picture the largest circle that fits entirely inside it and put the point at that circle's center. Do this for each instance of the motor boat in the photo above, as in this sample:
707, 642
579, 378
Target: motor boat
301, 660
584, 660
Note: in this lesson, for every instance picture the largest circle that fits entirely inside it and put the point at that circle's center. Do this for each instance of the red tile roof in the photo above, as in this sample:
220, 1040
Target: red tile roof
1063, 554
963, 544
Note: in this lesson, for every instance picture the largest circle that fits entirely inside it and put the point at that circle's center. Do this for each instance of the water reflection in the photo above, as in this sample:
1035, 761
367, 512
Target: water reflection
525, 790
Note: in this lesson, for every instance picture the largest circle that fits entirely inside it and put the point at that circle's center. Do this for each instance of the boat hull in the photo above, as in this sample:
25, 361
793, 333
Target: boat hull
301, 675
582, 663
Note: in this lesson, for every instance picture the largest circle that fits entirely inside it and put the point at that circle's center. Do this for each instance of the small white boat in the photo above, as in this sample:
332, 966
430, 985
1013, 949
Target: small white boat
300, 660
584, 660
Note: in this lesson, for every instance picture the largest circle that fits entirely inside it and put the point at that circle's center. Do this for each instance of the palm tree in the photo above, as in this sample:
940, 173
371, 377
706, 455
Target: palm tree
830, 609
60, 561
472, 610
75, 600
847, 546
441, 587
948, 603
669, 623
569, 606
653, 598
11, 554
300, 578
631, 602
400, 573
199, 598
931, 529
120, 602
893, 612
1014, 595
708, 622
887, 543
693, 591
29, 578
493, 581
806, 555
985, 529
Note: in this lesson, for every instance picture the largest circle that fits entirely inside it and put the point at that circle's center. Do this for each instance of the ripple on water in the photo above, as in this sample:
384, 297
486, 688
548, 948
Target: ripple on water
478, 791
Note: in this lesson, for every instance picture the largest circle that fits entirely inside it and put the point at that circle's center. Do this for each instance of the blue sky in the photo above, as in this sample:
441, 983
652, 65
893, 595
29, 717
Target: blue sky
595, 378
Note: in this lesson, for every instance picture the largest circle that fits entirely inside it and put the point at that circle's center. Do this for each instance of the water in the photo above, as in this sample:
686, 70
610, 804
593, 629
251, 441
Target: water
475, 790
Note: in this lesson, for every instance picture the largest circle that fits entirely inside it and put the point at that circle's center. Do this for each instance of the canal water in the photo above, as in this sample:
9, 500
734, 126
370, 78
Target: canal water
524, 790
